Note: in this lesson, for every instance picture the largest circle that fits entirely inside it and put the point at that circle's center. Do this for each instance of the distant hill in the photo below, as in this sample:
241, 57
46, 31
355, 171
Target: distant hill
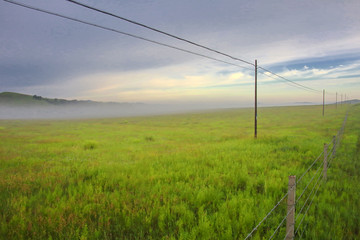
353, 101
10, 98
23, 106
18, 99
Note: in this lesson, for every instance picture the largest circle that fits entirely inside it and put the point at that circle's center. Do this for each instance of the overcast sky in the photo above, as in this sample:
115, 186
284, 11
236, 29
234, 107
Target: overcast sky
312, 42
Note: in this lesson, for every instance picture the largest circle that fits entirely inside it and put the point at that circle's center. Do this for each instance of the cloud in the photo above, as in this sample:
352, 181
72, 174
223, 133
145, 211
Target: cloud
331, 79
147, 85
184, 83
236, 76
48, 56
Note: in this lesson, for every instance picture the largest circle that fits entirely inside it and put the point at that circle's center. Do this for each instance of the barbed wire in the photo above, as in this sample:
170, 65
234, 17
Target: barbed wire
329, 158
307, 170
281, 223
307, 209
267, 215
323, 162
304, 203
307, 199
303, 230
202, 55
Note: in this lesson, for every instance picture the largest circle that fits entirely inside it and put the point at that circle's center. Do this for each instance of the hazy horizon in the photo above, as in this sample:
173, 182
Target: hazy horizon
92, 109
309, 43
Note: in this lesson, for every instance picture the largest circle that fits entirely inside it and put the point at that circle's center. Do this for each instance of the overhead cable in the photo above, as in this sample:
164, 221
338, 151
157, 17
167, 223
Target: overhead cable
290, 83
123, 33
188, 41
295, 83
160, 31
163, 44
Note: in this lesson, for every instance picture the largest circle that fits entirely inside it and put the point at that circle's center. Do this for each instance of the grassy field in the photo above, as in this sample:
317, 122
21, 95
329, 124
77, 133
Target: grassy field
185, 176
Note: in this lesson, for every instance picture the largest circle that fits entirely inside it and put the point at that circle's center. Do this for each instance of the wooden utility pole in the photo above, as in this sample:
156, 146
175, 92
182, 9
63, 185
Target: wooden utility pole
323, 102
336, 99
255, 99
341, 100
290, 219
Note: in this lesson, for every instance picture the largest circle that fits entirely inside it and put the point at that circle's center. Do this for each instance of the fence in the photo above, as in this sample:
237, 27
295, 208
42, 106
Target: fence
294, 219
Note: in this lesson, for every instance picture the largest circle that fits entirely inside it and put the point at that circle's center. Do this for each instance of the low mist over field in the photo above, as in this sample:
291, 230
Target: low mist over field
21, 106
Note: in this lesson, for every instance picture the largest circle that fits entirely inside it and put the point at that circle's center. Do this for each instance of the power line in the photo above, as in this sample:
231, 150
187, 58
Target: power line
123, 33
295, 83
188, 41
160, 31
292, 84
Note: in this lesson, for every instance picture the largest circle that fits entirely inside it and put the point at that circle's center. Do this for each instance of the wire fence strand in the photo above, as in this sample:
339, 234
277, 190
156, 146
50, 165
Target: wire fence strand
281, 223
307, 209
307, 199
307, 170
310, 182
267, 215
330, 154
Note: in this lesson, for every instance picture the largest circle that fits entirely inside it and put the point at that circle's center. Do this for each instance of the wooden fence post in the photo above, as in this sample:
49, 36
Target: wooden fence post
325, 161
290, 219
334, 146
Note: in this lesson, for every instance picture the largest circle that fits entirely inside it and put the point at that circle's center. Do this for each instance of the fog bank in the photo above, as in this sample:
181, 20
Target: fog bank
93, 111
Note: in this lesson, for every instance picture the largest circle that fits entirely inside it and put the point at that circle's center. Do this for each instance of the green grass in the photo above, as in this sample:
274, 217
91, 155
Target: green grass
336, 214
186, 176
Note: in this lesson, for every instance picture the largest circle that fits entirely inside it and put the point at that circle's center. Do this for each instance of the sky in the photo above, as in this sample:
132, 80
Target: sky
312, 43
